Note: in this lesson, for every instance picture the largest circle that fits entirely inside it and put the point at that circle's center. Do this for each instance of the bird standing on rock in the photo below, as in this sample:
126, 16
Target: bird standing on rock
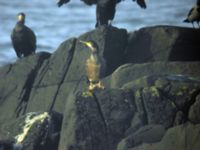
105, 9
23, 38
194, 14
95, 66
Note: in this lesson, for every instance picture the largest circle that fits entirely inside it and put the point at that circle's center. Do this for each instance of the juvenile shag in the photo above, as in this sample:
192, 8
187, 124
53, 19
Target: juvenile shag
23, 38
95, 66
194, 14
105, 9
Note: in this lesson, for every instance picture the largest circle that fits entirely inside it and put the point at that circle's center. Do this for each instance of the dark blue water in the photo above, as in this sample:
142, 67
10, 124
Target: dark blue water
52, 25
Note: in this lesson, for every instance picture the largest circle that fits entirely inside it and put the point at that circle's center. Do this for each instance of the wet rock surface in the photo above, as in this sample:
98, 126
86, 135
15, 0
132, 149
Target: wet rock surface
150, 100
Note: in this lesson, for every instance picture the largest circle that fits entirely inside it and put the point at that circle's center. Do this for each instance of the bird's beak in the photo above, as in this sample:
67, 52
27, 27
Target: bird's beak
86, 43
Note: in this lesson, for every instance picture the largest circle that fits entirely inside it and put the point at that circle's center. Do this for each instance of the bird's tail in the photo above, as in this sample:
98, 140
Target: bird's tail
186, 20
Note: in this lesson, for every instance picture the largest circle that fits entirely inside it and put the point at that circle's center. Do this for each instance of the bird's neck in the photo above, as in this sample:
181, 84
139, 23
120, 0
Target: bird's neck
21, 22
19, 26
93, 56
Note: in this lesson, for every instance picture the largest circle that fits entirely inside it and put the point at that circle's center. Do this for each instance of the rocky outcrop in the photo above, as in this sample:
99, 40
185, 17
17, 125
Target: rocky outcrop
181, 137
151, 93
163, 43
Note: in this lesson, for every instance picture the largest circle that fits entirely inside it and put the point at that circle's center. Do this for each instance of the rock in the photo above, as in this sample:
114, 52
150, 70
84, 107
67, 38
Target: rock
195, 111
6, 145
33, 131
160, 99
65, 70
83, 126
130, 72
155, 91
179, 118
146, 134
136, 123
44, 135
182, 137
163, 43
98, 121
16, 82
158, 108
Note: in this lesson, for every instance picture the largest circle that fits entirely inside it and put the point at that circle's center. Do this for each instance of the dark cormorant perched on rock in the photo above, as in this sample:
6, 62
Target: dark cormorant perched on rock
105, 9
23, 38
194, 14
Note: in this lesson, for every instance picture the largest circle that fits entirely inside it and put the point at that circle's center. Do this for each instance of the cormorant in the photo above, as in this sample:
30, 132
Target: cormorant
23, 38
105, 9
95, 66
194, 14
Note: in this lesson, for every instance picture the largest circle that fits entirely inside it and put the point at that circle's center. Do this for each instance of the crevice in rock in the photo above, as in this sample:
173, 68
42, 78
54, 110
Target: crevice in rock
100, 111
65, 71
9, 69
26, 91
145, 115
107, 130
168, 97
86, 113
43, 72
187, 105
165, 94
186, 108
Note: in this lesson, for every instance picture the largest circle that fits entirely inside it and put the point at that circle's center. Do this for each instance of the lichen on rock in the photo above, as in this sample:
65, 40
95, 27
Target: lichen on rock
30, 120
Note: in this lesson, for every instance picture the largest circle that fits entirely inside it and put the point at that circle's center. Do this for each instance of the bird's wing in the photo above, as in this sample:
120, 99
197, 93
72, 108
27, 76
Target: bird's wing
141, 3
90, 2
190, 12
17, 50
32, 37
61, 2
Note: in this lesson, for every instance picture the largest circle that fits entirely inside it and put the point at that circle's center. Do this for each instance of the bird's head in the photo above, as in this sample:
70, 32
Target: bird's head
21, 17
92, 45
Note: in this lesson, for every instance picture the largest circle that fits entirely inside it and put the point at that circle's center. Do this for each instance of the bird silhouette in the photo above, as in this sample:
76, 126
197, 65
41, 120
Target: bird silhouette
23, 38
105, 9
194, 14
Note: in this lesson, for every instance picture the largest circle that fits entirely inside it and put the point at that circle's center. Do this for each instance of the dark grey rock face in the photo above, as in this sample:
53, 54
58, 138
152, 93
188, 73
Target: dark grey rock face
181, 137
194, 111
151, 101
163, 43
16, 81
146, 134
99, 121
